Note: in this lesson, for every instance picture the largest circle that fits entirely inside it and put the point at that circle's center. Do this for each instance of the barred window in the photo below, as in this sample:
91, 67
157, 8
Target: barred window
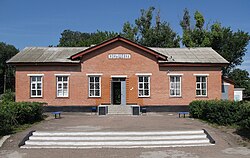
143, 86
94, 86
36, 86
175, 86
201, 85
62, 86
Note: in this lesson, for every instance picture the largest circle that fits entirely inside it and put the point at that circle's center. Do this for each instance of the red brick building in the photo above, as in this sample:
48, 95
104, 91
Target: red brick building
118, 71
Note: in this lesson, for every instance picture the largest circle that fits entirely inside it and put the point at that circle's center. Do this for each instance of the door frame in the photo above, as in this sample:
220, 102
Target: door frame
119, 79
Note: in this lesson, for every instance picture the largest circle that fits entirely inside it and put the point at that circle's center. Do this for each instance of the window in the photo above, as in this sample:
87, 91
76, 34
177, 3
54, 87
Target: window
36, 86
62, 86
175, 86
201, 85
94, 86
143, 86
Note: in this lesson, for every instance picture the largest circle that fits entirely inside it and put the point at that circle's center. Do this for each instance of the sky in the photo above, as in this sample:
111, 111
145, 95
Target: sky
40, 22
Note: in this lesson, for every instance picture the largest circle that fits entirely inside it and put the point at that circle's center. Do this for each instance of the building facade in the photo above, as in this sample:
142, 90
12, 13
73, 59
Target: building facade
118, 72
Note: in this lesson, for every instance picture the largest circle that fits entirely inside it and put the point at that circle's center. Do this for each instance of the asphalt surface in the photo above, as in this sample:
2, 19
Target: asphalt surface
226, 146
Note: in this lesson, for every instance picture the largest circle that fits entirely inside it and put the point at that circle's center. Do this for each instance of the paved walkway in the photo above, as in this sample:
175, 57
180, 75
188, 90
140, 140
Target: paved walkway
226, 145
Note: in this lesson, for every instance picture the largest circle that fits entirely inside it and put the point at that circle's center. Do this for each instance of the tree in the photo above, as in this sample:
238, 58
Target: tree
241, 80
147, 34
197, 36
185, 23
129, 31
229, 44
6, 71
82, 39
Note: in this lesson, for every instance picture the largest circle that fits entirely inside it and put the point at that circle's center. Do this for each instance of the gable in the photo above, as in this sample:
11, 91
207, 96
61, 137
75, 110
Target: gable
115, 40
119, 58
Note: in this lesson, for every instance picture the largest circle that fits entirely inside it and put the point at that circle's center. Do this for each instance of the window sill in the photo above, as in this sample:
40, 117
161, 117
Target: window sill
93, 97
36, 97
175, 96
62, 97
144, 97
201, 96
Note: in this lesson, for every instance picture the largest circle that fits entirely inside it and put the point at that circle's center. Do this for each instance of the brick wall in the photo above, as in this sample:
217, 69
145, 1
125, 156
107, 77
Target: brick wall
98, 62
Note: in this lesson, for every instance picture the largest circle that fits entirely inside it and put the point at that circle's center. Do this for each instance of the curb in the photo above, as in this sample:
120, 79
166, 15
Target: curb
26, 138
212, 141
3, 139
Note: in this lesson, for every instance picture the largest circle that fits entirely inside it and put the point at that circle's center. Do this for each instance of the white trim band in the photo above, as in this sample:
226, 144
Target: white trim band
94, 74
171, 74
62, 74
201, 74
143, 74
119, 76
35, 74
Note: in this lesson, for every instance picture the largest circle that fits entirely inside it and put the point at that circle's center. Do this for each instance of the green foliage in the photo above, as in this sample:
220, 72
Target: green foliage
8, 96
147, 34
199, 20
7, 120
6, 52
129, 31
13, 114
81, 39
241, 80
221, 112
185, 23
244, 114
196, 109
245, 124
229, 44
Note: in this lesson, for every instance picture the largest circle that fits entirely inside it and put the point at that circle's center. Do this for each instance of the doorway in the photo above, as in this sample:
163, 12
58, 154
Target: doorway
118, 91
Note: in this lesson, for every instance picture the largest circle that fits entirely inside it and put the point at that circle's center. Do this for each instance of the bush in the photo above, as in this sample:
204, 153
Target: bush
7, 121
196, 108
13, 114
244, 113
221, 112
26, 112
245, 124
8, 96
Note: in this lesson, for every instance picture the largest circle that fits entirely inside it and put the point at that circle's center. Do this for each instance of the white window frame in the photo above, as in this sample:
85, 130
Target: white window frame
143, 88
100, 88
175, 87
62, 89
36, 82
200, 83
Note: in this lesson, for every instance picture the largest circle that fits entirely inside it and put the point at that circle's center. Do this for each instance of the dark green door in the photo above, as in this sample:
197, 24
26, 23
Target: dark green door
116, 93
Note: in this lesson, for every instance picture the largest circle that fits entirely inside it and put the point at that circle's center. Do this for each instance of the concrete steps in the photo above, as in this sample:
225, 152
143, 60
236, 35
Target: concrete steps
119, 110
117, 139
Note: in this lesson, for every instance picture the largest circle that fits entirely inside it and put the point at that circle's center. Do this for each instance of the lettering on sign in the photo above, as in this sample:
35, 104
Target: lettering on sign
119, 56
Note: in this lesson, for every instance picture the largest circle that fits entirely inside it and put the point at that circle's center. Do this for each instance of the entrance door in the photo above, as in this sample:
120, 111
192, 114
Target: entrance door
118, 91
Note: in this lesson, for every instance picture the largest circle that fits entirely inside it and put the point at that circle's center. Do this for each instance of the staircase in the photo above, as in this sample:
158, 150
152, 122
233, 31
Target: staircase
153, 139
119, 110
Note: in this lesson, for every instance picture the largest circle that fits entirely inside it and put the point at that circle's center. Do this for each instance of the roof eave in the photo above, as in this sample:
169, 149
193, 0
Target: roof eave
179, 64
43, 63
